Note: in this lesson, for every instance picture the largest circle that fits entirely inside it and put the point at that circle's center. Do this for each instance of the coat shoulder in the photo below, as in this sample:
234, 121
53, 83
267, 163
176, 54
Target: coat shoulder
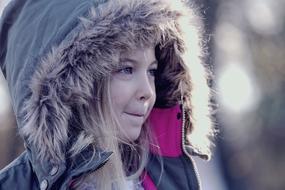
18, 174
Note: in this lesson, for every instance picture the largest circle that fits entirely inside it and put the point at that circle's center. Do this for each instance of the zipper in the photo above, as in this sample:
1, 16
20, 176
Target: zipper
184, 149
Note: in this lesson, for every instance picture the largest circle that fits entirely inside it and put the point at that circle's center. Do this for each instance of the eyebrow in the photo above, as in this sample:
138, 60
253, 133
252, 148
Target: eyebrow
135, 62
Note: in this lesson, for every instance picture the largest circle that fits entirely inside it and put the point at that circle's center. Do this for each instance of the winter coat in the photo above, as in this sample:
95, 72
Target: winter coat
50, 48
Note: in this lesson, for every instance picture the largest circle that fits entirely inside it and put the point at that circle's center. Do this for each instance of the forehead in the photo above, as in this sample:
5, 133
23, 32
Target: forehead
139, 54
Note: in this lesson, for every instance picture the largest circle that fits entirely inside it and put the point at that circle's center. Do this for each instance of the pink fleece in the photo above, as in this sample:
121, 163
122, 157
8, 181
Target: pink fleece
167, 129
166, 126
147, 182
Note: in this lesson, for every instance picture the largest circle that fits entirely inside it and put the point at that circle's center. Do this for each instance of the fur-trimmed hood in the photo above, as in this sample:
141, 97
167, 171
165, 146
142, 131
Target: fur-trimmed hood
56, 51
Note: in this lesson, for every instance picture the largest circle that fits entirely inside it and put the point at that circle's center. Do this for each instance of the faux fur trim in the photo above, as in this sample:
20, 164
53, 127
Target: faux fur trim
67, 74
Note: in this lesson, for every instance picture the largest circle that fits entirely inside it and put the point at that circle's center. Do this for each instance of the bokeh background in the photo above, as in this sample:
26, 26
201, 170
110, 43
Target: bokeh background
246, 53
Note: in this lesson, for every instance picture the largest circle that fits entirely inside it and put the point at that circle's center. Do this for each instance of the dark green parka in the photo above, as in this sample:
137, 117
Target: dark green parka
54, 52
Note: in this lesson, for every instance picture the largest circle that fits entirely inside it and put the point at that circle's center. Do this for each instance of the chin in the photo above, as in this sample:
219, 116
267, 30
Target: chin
132, 135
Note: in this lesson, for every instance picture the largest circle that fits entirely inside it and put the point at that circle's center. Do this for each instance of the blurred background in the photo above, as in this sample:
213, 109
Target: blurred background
246, 53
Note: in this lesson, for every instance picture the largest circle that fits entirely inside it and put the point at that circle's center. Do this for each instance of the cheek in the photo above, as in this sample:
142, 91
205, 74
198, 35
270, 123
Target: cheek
154, 94
152, 100
119, 95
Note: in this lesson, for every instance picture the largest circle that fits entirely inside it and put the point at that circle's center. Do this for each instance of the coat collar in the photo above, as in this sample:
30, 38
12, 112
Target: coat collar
49, 173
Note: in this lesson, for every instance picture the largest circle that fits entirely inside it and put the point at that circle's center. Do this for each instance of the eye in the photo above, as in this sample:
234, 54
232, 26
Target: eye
126, 70
153, 72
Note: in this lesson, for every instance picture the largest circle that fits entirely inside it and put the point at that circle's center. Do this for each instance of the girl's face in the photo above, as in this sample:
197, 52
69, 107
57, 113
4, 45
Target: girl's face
133, 91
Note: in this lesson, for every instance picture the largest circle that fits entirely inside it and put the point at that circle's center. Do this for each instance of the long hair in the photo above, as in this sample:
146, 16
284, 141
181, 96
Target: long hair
128, 159
70, 95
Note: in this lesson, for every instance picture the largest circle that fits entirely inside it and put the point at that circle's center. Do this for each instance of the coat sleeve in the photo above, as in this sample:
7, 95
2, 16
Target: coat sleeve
18, 175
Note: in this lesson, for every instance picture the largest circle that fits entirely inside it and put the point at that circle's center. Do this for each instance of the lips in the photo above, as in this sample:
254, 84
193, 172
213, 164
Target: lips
135, 114
134, 118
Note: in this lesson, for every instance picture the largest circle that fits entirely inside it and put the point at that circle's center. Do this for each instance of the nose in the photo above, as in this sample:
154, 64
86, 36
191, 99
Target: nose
145, 88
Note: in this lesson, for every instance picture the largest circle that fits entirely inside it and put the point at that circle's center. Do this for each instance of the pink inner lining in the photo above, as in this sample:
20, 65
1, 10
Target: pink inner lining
167, 130
147, 182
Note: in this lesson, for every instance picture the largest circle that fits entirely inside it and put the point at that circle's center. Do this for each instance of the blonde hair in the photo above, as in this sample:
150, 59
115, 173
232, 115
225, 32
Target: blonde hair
128, 159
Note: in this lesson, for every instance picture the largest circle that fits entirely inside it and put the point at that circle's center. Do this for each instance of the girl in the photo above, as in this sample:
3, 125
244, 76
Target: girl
107, 94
